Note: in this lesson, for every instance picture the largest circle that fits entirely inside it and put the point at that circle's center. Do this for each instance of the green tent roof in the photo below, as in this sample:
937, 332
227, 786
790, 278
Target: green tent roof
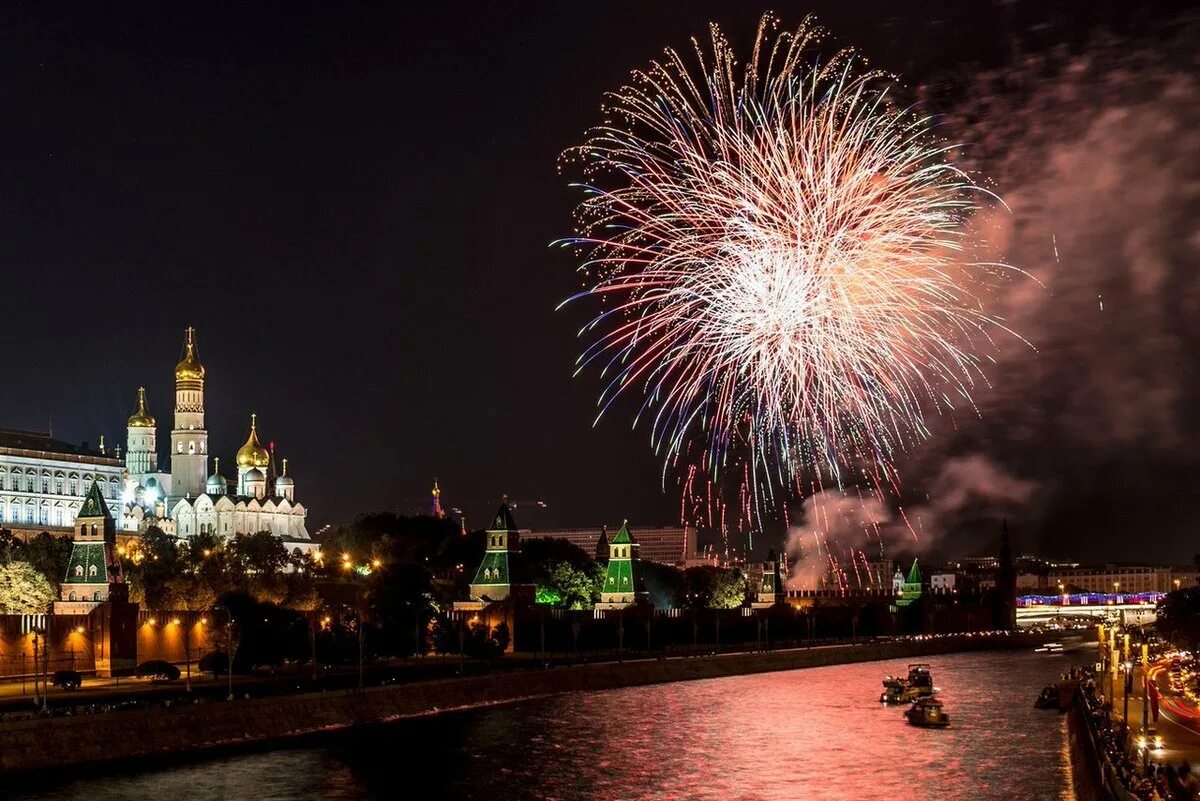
93, 504
623, 537
914, 574
87, 564
619, 578
503, 520
493, 569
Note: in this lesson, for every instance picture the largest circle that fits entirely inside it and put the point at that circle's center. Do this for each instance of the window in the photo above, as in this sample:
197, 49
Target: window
191, 447
74, 487
180, 448
58, 486
79, 571
92, 571
72, 597
16, 483
45, 484
96, 595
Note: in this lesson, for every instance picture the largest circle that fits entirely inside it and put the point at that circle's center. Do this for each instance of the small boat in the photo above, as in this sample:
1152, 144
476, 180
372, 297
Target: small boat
898, 690
1049, 648
927, 712
1048, 699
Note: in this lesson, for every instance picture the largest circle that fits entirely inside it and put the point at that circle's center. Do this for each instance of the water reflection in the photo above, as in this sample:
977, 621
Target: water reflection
801, 734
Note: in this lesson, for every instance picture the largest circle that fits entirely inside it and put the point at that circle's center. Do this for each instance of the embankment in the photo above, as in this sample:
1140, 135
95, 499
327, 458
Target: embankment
60, 742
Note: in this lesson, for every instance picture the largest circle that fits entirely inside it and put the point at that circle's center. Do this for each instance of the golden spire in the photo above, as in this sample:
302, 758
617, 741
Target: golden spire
189, 368
285, 467
253, 454
141, 418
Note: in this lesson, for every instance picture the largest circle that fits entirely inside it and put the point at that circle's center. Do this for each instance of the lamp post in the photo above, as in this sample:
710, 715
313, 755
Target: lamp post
228, 645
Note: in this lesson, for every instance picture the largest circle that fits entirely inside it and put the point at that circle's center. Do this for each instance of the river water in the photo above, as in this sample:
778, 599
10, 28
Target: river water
806, 734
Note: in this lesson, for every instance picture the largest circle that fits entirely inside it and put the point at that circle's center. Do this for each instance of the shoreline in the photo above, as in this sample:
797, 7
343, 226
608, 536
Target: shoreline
257, 724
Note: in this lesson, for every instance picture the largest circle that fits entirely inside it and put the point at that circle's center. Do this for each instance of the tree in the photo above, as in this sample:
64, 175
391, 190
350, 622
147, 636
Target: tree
24, 590
48, 555
261, 552
665, 584
715, 587
574, 587
1178, 618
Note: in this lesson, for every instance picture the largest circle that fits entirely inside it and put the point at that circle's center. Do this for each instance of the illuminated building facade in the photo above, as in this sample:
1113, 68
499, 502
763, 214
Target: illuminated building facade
44, 481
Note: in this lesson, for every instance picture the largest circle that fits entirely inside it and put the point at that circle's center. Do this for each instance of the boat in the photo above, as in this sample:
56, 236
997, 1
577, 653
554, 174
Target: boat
927, 712
1048, 699
1049, 648
899, 690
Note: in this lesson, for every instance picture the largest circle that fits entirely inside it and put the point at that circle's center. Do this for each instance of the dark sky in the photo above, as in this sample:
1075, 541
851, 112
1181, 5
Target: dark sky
353, 205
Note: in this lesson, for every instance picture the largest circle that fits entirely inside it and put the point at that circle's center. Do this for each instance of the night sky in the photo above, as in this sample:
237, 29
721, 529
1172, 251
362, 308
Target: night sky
353, 207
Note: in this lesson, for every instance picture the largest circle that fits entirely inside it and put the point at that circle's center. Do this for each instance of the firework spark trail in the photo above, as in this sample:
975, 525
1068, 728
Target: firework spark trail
779, 249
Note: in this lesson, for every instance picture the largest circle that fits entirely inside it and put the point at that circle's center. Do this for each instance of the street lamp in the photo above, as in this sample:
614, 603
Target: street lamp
228, 645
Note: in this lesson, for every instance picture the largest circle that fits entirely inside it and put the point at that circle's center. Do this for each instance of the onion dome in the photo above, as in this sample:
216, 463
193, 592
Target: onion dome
253, 454
189, 368
254, 474
284, 480
141, 418
216, 482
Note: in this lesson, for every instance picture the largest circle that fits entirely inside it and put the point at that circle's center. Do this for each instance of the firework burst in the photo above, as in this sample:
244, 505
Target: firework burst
779, 250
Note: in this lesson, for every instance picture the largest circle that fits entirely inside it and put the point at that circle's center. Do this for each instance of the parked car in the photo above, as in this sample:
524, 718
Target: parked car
157, 670
68, 679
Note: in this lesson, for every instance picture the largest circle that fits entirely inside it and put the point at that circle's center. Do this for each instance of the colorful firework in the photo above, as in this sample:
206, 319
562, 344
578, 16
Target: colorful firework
780, 252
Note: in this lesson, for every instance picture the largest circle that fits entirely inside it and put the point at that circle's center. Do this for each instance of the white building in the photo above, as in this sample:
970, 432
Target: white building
43, 481
189, 501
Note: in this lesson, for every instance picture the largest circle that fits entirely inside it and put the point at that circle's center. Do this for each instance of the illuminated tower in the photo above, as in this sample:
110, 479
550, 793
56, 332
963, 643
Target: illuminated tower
93, 572
436, 508
189, 439
622, 576
140, 443
770, 589
493, 579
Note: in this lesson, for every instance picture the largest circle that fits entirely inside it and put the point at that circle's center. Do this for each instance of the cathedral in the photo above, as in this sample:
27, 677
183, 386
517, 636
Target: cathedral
189, 500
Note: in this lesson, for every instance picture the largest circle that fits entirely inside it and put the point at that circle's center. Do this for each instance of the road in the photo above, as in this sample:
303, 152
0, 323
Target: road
1178, 721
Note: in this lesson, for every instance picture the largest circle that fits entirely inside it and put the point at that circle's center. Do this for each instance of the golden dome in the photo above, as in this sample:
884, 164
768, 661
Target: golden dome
141, 418
253, 454
189, 368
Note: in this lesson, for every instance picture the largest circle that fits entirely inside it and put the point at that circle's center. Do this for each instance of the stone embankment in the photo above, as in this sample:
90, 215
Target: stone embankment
60, 742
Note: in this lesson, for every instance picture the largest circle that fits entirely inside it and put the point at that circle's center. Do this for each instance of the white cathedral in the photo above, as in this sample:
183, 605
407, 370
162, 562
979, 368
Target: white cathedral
188, 500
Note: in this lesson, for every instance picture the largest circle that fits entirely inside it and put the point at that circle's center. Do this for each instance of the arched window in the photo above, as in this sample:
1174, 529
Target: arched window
72, 596
191, 447
96, 595
180, 448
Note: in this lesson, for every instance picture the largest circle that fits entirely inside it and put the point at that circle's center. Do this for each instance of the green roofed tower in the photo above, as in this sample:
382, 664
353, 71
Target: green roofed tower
493, 579
910, 589
94, 573
622, 577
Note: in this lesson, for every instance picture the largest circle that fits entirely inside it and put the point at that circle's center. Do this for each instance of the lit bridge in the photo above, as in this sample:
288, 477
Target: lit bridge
1135, 609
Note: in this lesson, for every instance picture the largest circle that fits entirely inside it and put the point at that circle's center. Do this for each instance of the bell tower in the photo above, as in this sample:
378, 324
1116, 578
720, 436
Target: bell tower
189, 439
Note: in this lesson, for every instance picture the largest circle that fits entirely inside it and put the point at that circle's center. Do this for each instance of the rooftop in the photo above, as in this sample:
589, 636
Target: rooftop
14, 439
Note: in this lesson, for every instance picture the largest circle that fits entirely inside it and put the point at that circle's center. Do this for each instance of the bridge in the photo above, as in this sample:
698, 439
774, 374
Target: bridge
1136, 609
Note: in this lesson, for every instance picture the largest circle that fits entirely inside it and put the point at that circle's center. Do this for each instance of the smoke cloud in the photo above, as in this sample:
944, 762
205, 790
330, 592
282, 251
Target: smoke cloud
1096, 156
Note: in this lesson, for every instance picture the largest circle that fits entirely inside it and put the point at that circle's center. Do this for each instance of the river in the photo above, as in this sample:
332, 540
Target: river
818, 733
